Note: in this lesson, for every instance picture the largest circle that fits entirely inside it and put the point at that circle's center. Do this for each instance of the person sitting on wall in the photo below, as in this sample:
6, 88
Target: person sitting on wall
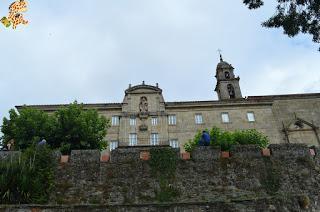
42, 142
205, 139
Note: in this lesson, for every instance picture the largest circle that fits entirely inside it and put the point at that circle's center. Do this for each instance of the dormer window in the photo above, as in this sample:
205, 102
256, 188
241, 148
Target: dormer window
227, 74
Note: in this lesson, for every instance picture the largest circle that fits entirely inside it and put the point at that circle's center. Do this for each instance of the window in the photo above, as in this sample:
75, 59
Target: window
198, 119
133, 139
231, 91
113, 145
132, 121
227, 75
115, 120
174, 143
154, 121
172, 120
154, 140
250, 116
225, 117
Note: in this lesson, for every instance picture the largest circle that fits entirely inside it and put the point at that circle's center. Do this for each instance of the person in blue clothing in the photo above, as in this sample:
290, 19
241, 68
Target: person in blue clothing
205, 139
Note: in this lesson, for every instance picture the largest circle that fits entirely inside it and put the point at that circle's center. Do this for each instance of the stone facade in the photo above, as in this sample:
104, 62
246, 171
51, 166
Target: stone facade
145, 118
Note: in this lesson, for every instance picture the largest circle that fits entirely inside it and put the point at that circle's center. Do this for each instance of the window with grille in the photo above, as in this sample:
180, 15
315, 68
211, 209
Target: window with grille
132, 121
172, 120
154, 140
154, 121
113, 145
174, 143
250, 116
133, 139
198, 119
225, 117
115, 120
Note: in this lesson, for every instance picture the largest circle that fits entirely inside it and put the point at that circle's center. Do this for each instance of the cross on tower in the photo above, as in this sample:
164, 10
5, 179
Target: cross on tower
219, 50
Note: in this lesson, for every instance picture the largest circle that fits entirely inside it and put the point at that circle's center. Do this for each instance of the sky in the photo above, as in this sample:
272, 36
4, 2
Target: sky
91, 50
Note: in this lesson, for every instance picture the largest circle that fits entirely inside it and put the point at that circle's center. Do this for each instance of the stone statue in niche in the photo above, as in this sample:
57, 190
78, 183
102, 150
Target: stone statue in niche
231, 91
143, 106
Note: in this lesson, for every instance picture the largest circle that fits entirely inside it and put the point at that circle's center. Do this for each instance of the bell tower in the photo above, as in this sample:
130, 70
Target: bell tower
227, 83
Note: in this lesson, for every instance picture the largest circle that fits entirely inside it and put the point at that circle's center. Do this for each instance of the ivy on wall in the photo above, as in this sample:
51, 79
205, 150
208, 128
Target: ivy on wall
163, 163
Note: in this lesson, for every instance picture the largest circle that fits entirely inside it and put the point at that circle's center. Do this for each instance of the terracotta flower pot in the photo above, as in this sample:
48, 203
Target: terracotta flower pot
105, 158
312, 152
185, 156
64, 159
145, 155
225, 154
266, 152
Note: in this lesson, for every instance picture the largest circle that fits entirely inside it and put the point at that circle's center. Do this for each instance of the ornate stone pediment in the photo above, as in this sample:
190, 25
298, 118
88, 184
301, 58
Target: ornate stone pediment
143, 99
299, 124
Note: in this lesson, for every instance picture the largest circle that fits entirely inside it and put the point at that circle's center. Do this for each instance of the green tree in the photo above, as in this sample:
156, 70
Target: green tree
293, 16
78, 128
71, 127
27, 127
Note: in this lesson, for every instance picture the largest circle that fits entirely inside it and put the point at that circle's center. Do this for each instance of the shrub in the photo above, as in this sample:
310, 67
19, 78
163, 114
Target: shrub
191, 144
29, 178
251, 136
225, 140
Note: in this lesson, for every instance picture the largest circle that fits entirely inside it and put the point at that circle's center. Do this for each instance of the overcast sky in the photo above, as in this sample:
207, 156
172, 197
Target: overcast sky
90, 50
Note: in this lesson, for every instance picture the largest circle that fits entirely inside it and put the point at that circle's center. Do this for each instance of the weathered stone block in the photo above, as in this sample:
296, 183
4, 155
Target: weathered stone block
132, 154
245, 151
204, 153
289, 150
125, 155
85, 156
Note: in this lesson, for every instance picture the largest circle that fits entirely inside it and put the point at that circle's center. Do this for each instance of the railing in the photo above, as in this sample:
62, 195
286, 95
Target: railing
145, 142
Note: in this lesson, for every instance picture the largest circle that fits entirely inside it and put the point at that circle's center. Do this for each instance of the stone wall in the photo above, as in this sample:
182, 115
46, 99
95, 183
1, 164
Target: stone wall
290, 172
288, 180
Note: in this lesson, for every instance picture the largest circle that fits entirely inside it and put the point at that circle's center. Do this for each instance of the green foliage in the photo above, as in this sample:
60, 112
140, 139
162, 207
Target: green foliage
271, 177
226, 139
251, 136
77, 128
293, 16
27, 127
167, 192
71, 127
222, 139
191, 144
163, 164
29, 178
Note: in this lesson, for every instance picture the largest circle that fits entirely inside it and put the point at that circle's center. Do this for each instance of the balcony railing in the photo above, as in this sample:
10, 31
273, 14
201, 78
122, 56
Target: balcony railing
145, 142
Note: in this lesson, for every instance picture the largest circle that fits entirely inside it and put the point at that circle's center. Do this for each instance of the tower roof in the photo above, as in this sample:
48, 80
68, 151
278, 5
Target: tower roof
223, 64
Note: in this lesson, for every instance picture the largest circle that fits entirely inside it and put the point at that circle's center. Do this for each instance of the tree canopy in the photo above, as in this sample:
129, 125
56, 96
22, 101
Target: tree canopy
293, 16
71, 127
